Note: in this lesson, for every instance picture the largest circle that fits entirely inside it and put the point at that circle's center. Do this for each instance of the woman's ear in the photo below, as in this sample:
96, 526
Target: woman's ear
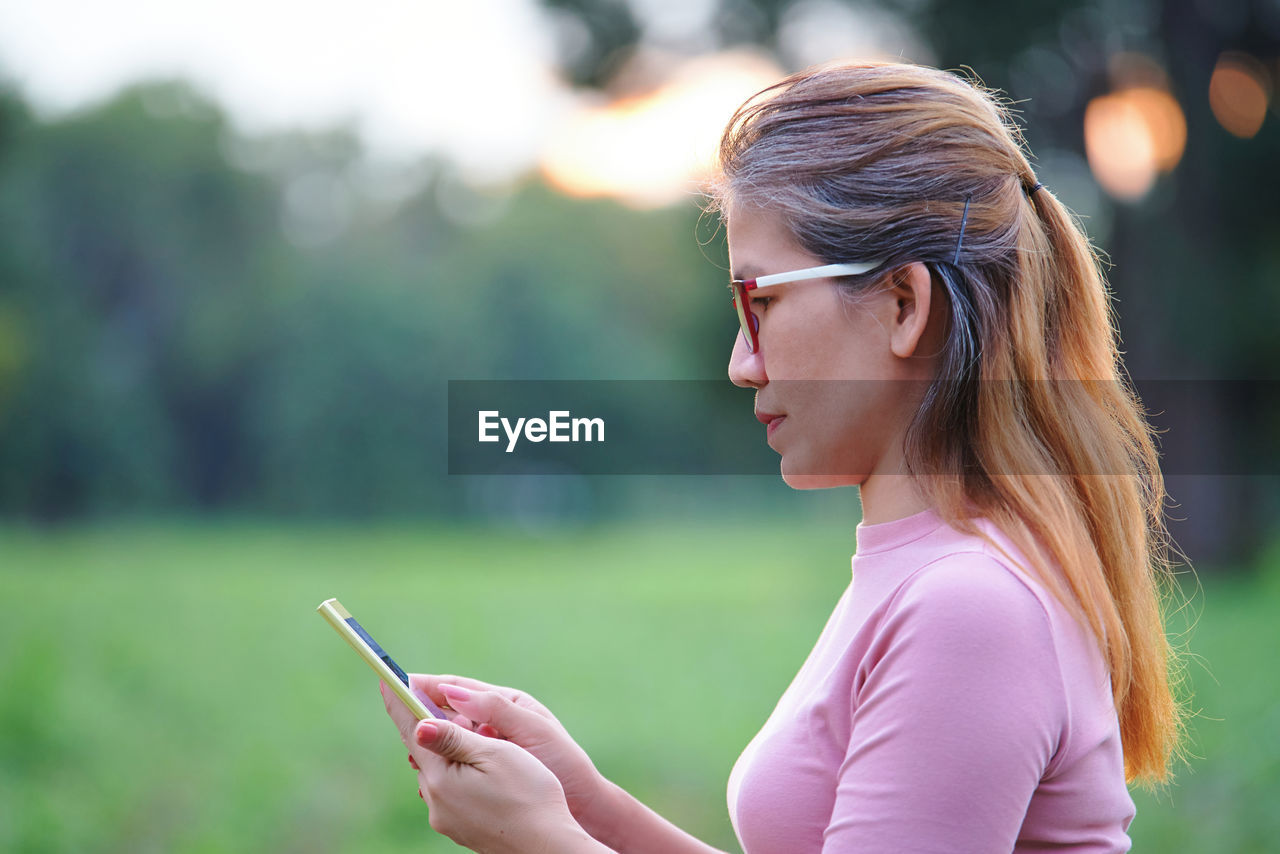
912, 292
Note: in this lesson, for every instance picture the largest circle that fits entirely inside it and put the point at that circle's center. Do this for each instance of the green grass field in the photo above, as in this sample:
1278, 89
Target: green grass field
168, 688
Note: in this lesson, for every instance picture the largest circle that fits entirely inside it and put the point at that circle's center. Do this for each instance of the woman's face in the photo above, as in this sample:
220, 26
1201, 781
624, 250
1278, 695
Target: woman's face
827, 369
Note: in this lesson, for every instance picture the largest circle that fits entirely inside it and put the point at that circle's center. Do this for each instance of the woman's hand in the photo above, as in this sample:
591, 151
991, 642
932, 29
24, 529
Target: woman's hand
485, 793
520, 729
506, 713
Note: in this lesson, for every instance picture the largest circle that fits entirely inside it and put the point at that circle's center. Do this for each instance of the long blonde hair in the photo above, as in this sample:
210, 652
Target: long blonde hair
878, 160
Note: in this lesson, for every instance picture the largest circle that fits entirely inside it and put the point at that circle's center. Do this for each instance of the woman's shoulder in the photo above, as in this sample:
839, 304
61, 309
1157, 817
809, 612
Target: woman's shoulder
975, 586
948, 580
982, 561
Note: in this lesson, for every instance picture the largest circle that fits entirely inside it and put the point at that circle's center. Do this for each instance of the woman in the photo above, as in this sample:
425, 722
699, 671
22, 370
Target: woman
998, 669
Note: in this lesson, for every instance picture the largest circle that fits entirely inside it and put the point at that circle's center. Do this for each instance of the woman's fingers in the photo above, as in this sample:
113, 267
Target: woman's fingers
497, 751
487, 794
541, 735
431, 685
450, 742
483, 707
463, 721
404, 719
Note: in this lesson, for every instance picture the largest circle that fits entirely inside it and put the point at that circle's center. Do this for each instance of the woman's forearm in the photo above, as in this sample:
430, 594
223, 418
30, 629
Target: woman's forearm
573, 841
629, 827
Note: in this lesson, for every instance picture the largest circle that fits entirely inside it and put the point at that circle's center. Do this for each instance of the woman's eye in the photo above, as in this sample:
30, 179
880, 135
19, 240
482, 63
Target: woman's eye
761, 302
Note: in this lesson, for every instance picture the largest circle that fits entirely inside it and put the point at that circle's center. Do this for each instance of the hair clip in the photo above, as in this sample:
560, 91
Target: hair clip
964, 220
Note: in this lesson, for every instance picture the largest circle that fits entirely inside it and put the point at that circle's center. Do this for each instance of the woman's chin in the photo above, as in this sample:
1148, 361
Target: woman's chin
814, 478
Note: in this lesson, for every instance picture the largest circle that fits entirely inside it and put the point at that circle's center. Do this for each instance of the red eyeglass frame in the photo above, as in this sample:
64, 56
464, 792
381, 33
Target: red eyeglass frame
739, 287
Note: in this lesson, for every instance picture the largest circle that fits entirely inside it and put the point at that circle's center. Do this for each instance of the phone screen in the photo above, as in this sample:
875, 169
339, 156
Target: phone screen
376, 657
378, 650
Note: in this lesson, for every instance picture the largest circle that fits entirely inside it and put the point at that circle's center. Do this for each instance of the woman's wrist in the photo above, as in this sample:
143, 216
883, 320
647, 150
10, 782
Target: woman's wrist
626, 826
572, 838
602, 815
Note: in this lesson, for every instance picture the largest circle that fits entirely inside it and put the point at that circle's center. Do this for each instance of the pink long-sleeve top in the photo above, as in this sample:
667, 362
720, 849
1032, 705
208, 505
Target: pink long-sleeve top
951, 704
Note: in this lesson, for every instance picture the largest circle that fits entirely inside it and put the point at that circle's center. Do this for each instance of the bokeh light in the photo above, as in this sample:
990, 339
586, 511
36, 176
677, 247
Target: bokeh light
1131, 136
1239, 92
1165, 123
651, 149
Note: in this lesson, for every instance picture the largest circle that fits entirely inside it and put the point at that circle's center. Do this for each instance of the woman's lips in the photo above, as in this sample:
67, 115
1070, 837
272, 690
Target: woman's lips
771, 419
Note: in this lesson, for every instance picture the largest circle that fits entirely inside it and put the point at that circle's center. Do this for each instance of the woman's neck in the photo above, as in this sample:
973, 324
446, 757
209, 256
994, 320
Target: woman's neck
888, 497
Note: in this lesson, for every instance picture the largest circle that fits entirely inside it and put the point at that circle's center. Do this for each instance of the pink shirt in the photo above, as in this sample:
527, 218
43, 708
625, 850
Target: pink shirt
951, 704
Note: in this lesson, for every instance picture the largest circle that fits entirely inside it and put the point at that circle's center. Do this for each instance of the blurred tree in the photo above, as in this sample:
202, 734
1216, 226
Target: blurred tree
137, 266
178, 332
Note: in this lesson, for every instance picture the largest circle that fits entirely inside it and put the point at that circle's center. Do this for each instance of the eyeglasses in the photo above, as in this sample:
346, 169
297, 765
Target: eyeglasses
739, 287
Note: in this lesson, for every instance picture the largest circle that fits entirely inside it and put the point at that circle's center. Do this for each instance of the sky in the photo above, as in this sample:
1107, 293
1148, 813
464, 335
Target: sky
473, 80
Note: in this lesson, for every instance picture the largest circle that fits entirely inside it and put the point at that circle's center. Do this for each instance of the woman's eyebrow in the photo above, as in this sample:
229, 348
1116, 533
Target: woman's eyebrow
747, 272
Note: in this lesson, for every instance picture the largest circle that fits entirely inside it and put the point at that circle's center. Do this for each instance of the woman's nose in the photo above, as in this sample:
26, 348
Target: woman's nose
746, 369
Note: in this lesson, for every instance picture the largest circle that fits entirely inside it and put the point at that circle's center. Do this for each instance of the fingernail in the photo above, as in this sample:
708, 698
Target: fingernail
420, 794
427, 733
414, 763
453, 692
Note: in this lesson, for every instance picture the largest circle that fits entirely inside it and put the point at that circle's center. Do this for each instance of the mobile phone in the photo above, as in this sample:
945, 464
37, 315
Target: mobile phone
376, 657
